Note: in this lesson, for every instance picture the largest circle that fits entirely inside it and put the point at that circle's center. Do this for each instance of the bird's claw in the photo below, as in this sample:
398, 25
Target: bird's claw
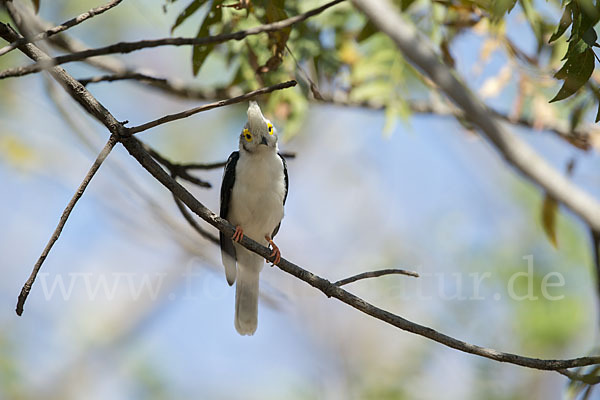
276, 254
238, 234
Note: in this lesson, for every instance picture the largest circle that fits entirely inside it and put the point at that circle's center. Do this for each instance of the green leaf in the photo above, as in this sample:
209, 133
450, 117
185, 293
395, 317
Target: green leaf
367, 31
501, 7
576, 24
199, 53
189, 10
590, 36
565, 22
562, 72
575, 48
549, 211
576, 72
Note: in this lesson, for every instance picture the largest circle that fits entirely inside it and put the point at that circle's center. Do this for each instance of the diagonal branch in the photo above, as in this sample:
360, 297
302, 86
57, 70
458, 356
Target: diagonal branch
375, 274
519, 154
62, 27
177, 170
128, 47
595, 235
206, 107
134, 147
92, 106
193, 223
63, 220
332, 290
72, 86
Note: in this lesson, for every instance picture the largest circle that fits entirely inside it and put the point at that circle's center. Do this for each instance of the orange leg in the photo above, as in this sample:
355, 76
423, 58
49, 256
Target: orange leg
238, 234
276, 253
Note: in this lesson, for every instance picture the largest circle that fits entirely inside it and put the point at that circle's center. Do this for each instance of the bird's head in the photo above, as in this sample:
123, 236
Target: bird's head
258, 133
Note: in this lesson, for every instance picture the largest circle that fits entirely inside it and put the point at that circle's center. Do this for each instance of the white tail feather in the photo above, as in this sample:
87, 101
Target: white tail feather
246, 292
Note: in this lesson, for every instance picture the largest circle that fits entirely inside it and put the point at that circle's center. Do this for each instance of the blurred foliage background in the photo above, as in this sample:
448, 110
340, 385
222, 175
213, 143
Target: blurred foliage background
132, 303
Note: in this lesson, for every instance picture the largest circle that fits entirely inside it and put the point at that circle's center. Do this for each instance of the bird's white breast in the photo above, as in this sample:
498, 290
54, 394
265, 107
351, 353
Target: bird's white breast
257, 195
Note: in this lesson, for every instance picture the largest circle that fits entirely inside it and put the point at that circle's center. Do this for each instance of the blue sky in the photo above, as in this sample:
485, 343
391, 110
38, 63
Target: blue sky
429, 197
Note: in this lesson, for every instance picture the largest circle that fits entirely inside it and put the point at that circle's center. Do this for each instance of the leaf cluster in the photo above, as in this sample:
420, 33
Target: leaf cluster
579, 64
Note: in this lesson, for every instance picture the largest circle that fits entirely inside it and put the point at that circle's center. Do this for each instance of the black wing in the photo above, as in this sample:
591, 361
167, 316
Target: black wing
287, 184
226, 188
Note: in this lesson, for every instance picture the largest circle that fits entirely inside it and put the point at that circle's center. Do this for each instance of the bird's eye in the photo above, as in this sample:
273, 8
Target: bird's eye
247, 135
270, 128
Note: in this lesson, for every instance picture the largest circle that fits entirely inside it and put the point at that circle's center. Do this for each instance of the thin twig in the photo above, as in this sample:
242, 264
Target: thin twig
206, 107
590, 379
176, 170
60, 28
128, 75
128, 47
221, 164
311, 84
375, 274
193, 223
330, 289
91, 105
63, 219
596, 258
173, 87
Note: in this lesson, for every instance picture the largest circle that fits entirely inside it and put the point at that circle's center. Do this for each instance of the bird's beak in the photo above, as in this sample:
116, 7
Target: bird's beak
264, 141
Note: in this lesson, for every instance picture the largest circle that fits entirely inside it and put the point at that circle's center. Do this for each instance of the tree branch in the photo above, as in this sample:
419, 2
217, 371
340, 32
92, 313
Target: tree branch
175, 87
375, 274
221, 164
128, 47
134, 147
579, 138
60, 28
72, 86
127, 75
92, 106
63, 220
177, 170
206, 107
596, 257
519, 154
332, 290
193, 223
590, 379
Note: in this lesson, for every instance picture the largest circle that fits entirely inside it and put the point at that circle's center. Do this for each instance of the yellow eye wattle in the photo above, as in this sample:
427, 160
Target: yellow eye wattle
247, 135
270, 126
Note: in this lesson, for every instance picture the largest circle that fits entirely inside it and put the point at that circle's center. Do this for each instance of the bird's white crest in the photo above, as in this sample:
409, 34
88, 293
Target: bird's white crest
256, 121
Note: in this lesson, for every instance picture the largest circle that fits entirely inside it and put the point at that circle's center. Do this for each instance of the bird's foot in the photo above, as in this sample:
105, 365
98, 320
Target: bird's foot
276, 253
238, 234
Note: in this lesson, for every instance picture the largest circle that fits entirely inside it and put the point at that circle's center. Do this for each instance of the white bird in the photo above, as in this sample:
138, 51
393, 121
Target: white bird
253, 193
